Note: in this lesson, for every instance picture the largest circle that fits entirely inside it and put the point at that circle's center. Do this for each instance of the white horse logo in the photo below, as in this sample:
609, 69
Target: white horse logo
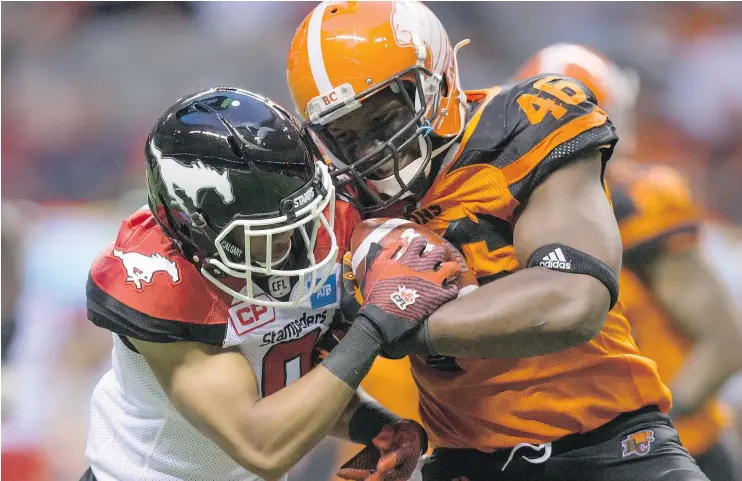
192, 178
141, 268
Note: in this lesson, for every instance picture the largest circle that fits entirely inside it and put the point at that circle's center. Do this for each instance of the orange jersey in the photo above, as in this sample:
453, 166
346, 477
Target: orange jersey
515, 138
390, 382
656, 214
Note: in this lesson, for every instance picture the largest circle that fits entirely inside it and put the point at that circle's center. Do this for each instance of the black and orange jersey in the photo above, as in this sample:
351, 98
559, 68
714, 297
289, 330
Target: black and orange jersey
656, 214
515, 138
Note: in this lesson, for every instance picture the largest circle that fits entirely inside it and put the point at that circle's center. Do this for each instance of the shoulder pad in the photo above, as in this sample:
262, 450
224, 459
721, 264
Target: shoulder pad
143, 274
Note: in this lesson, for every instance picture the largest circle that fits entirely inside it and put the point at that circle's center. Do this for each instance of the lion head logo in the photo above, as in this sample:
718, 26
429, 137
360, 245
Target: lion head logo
637, 443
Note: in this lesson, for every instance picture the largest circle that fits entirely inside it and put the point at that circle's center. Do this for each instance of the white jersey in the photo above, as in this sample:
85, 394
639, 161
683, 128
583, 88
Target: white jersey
135, 432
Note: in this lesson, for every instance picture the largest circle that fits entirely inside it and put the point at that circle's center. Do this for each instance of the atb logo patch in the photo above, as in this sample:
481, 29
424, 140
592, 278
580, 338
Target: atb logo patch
327, 294
404, 297
141, 268
638, 443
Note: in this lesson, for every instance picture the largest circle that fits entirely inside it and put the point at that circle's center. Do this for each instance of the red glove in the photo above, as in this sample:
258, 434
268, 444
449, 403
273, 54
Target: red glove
401, 291
392, 456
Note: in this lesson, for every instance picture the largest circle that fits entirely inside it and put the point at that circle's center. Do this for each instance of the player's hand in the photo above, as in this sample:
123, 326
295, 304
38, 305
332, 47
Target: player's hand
351, 301
392, 456
401, 291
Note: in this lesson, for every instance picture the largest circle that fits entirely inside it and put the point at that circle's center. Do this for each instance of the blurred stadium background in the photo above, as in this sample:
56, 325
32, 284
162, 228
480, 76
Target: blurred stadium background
83, 82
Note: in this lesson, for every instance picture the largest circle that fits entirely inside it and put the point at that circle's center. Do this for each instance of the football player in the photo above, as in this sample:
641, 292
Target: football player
681, 315
217, 294
534, 375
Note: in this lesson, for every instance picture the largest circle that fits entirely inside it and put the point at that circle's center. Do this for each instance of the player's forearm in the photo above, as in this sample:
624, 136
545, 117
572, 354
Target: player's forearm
529, 313
705, 370
709, 317
286, 425
700, 306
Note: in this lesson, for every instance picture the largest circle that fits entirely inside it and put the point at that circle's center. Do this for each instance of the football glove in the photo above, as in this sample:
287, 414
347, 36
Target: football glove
392, 456
400, 291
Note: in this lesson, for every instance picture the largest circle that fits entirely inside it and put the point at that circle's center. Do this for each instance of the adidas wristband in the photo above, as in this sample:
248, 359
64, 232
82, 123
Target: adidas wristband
562, 258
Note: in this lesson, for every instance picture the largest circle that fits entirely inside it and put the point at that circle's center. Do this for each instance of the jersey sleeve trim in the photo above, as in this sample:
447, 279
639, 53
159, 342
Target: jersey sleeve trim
109, 313
519, 169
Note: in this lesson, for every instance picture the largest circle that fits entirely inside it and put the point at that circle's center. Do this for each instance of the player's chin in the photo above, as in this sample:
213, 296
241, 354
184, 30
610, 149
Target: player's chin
409, 155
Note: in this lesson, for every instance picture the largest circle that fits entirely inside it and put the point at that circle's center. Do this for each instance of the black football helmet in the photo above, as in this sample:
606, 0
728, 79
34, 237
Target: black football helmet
224, 165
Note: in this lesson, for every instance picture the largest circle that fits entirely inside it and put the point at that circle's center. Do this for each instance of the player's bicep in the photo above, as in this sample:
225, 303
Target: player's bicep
570, 207
212, 387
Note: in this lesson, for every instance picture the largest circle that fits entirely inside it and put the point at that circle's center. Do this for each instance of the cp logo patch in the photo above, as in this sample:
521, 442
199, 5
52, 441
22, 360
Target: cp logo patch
637, 443
247, 317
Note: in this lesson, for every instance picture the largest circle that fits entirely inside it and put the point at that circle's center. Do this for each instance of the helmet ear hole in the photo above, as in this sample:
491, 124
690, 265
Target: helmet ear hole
444, 87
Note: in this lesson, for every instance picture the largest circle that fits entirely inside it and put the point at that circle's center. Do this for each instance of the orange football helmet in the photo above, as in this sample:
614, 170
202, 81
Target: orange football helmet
615, 89
346, 53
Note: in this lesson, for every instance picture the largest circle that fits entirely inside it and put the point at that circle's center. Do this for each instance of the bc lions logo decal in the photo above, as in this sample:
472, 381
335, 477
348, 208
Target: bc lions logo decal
141, 268
638, 443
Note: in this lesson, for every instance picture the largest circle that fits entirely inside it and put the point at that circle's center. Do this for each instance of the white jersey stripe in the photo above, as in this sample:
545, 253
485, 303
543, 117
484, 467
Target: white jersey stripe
314, 50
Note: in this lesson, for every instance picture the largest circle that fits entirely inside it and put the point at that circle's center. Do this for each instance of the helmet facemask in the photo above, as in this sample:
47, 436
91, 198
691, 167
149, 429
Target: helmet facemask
305, 213
401, 148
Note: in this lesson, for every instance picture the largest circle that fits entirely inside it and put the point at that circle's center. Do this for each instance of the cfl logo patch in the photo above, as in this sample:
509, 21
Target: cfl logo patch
556, 260
404, 297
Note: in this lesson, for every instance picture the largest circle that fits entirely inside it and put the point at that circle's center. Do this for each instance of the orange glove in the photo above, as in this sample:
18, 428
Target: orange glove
392, 456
